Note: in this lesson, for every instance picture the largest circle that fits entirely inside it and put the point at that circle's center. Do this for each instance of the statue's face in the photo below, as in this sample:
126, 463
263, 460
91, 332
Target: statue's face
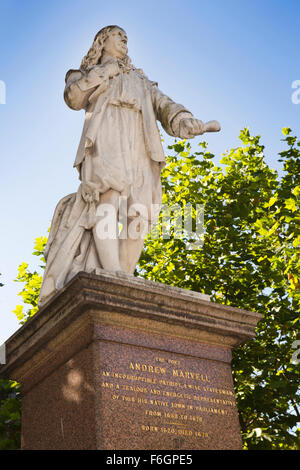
116, 43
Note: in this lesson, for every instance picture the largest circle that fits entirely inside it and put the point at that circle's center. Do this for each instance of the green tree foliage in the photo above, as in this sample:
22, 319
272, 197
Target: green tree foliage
10, 391
10, 414
32, 283
249, 259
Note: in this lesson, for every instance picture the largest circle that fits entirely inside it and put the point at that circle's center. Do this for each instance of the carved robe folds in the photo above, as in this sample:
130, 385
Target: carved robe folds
120, 149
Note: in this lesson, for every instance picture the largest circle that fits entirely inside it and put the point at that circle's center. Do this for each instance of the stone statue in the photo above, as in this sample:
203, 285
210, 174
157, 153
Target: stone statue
120, 156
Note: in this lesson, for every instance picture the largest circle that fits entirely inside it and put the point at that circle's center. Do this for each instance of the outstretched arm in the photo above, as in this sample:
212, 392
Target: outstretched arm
187, 127
176, 119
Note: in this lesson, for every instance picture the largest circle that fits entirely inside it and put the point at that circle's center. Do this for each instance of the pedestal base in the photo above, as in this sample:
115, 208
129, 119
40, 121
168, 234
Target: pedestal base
116, 362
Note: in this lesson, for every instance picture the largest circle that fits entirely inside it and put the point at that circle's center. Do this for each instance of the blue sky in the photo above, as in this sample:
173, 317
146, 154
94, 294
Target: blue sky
231, 60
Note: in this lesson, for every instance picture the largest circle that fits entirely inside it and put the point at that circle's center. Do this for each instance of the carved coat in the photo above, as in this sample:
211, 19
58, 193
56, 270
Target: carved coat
120, 148
113, 83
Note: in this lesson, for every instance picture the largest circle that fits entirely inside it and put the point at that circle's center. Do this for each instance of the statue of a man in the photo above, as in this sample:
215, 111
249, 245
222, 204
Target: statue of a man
120, 155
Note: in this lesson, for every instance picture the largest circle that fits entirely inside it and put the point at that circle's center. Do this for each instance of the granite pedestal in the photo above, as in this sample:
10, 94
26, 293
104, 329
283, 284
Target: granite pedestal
117, 362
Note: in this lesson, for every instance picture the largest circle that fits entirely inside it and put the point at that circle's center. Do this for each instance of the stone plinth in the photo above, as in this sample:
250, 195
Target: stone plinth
116, 362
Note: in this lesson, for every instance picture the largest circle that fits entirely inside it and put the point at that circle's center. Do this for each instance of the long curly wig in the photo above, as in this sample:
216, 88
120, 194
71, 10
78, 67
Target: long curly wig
93, 57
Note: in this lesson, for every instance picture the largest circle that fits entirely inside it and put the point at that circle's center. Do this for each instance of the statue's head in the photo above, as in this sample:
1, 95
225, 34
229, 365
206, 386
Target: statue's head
111, 40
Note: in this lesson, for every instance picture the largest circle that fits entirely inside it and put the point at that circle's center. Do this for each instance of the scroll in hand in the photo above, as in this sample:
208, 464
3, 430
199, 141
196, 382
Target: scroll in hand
191, 127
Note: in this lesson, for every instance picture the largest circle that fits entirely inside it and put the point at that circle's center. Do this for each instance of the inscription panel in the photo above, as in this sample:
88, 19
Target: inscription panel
167, 400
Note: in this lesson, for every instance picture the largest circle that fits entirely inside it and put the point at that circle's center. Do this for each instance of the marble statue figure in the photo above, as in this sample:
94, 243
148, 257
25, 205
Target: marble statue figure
120, 155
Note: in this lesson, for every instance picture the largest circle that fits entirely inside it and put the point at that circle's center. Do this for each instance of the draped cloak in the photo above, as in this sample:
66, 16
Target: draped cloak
120, 149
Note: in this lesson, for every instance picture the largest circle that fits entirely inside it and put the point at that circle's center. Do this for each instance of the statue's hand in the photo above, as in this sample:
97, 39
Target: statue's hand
90, 192
110, 69
190, 127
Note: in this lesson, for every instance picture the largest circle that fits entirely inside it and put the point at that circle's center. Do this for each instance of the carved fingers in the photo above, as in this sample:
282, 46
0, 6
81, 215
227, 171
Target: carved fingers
113, 69
190, 127
90, 192
109, 70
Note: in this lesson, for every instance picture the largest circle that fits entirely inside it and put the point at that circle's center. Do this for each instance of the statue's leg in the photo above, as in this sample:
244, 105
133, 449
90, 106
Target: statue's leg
130, 252
131, 245
108, 248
